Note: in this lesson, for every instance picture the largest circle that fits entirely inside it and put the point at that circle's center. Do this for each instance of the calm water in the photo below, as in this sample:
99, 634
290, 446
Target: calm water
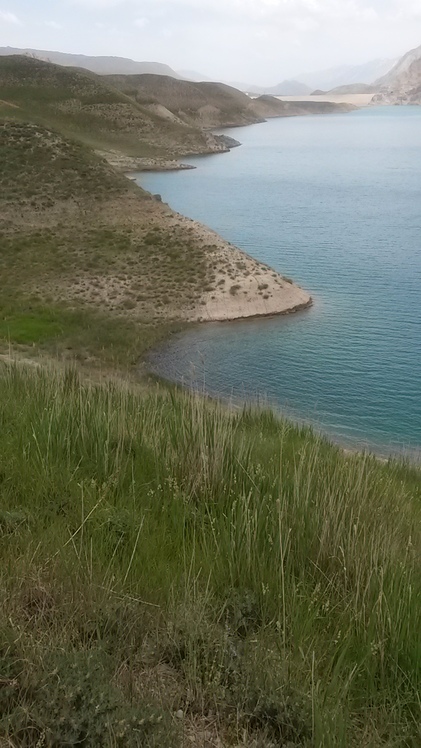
335, 203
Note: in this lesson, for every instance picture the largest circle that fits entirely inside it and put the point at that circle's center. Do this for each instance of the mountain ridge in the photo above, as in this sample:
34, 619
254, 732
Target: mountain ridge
101, 64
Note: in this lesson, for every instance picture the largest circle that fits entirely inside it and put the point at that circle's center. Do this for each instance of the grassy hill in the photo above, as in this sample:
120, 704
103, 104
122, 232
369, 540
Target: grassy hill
82, 105
202, 104
89, 263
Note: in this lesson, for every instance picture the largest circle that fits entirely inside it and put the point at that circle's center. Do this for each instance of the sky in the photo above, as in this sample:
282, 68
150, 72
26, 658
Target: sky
252, 41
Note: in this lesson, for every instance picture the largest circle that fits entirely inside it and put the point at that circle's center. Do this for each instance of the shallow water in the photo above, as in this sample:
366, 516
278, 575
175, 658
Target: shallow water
335, 203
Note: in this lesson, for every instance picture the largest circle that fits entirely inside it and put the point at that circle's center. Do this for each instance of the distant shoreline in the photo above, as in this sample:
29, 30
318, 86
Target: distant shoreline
358, 100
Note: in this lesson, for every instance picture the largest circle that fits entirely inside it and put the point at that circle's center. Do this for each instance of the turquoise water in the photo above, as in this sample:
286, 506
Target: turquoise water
335, 203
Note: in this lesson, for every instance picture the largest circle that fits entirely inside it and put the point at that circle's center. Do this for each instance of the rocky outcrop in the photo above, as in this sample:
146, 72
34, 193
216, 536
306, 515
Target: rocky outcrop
402, 86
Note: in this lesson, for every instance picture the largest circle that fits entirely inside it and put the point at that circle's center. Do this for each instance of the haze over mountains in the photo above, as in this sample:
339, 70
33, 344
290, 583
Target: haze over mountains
392, 81
302, 85
347, 74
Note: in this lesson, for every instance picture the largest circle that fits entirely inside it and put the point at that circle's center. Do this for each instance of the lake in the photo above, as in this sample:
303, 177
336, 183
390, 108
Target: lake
333, 202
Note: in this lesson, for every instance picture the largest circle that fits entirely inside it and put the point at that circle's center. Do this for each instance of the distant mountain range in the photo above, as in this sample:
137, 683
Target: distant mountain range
288, 88
346, 75
332, 80
99, 65
394, 81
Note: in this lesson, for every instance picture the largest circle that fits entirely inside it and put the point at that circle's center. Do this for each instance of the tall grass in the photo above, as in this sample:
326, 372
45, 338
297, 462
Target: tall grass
222, 563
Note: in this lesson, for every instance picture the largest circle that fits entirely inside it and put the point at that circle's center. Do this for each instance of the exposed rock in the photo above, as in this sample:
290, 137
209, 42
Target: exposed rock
402, 86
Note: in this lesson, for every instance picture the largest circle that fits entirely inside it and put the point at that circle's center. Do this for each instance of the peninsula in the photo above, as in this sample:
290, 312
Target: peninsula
81, 238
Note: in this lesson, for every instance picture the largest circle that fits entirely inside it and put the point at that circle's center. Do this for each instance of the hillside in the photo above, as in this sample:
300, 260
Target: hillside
402, 85
145, 117
100, 65
96, 260
211, 104
202, 104
173, 573
84, 105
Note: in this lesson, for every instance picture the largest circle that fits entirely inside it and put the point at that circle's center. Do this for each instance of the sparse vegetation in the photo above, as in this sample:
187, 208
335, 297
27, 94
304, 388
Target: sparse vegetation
94, 266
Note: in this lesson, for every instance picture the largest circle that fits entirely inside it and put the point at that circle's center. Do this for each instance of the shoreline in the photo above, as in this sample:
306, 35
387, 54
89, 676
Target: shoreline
349, 447
241, 287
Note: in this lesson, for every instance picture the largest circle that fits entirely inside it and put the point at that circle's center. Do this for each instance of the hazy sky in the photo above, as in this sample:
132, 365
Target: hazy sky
261, 41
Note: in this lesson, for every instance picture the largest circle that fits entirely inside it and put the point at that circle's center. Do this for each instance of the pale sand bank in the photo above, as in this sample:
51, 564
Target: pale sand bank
242, 287
358, 100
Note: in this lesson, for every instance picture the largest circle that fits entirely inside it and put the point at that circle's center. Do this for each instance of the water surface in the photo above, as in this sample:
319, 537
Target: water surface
335, 203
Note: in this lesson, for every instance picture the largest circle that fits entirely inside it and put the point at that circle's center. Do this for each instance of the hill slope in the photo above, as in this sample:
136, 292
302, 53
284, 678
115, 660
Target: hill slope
202, 104
83, 104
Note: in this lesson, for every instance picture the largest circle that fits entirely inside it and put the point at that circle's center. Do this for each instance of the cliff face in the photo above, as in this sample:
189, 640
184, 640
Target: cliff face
403, 84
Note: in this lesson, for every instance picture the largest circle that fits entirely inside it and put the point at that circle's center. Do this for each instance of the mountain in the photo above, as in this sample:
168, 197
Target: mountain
289, 88
347, 74
99, 65
402, 85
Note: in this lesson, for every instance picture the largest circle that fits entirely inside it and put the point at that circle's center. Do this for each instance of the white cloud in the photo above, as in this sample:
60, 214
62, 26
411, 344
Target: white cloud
406, 10
9, 18
141, 23
54, 25
100, 4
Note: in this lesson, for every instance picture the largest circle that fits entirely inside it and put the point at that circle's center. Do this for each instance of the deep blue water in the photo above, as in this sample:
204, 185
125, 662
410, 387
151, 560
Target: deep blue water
335, 203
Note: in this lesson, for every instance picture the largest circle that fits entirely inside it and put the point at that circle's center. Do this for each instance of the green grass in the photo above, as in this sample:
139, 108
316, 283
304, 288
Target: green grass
165, 554
83, 335
35, 327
